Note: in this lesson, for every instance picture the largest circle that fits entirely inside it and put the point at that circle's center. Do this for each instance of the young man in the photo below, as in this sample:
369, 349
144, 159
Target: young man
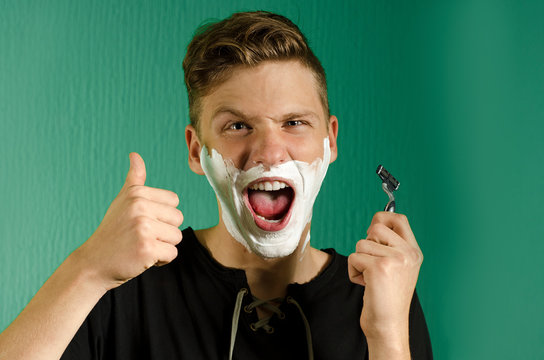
251, 287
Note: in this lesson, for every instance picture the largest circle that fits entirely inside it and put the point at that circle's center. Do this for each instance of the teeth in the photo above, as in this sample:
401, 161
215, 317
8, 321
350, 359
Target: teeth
269, 220
269, 186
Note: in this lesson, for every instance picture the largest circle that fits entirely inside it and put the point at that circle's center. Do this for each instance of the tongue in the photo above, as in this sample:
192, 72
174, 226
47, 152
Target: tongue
271, 205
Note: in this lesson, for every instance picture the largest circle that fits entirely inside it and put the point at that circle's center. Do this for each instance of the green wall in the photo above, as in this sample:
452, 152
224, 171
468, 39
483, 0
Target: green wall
449, 96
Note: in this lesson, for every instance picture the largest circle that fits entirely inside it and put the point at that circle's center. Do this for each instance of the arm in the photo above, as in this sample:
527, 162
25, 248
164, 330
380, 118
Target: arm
387, 263
139, 230
50, 320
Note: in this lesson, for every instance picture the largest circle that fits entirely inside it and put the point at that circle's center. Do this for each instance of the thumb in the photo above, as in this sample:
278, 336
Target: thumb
136, 172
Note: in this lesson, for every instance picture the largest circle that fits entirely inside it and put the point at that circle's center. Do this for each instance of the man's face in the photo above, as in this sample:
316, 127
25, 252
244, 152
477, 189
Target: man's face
261, 118
266, 115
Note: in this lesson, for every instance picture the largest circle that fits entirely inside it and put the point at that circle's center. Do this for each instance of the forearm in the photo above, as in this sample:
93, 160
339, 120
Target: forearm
125, 244
388, 351
46, 326
389, 345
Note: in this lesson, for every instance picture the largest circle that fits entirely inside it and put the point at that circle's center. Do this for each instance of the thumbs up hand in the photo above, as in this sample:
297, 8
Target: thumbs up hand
140, 230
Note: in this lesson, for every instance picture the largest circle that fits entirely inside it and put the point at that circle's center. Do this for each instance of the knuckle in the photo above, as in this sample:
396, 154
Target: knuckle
142, 226
380, 216
376, 229
352, 259
167, 256
138, 205
170, 196
363, 246
359, 243
144, 248
173, 253
371, 229
179, 217
380, 227
402, 218
386, 264
179, 235
134, 191
414, 254
405, 260
418, 255
132, 212
175, 198
413, 257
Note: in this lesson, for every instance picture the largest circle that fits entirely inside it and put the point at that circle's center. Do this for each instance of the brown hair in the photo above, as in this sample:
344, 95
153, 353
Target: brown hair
244, 39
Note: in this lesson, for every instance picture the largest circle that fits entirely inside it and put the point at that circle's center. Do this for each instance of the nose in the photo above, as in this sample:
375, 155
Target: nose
269, 148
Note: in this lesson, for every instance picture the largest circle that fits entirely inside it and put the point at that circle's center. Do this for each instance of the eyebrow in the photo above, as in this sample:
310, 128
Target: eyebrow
229, 110
295, 115
242, 115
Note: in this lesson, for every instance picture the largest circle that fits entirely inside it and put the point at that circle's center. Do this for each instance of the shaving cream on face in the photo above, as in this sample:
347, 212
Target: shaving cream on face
230, 183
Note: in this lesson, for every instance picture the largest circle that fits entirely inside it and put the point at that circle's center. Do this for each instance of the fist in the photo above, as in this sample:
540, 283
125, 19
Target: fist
387, 263
140, 230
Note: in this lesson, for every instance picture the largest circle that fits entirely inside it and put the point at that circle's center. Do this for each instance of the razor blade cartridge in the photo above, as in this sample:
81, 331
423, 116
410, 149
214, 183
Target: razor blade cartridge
387, 178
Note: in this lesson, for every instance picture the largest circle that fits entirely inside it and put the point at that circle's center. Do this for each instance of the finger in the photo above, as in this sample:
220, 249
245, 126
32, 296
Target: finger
357, 264
136, 173
398, 223
162, 196
382, 234
165, 253
169, 215
161, 212
373, 248
167, 233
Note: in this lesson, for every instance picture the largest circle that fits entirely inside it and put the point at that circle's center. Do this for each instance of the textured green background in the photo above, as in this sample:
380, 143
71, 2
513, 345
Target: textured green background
448, 96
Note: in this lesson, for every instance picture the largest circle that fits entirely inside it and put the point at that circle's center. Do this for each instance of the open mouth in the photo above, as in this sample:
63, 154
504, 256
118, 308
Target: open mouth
270, 202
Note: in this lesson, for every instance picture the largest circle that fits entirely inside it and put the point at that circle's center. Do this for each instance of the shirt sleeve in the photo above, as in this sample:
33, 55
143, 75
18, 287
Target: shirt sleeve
90, 340
420, 341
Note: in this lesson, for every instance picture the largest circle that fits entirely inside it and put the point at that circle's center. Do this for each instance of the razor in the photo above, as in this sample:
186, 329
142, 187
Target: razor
389, 184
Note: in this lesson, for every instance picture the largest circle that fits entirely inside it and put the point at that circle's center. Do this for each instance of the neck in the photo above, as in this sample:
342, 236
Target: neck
267, 278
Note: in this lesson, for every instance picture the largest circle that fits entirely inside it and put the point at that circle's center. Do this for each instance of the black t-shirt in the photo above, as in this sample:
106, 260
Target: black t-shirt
184, 310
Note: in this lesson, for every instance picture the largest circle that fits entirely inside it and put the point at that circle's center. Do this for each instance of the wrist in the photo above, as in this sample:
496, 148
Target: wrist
83, 275
388, 342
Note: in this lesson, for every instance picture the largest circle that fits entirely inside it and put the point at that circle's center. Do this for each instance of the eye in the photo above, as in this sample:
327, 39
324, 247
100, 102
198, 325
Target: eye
237, 126
295, 123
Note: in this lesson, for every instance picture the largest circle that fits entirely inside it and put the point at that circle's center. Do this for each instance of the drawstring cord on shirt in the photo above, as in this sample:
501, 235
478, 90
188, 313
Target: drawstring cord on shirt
263, 323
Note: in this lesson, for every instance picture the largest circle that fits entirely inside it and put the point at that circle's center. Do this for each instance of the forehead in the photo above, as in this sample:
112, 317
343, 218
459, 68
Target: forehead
271, 90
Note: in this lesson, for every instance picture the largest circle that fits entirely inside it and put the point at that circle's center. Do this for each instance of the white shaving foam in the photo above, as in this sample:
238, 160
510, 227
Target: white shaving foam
229, 183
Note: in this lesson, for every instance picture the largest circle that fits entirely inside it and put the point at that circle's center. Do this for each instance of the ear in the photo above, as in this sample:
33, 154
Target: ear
194, 147
333, 134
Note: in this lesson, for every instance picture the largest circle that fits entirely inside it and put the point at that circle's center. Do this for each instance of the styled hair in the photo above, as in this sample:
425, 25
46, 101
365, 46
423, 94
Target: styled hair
244, 39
